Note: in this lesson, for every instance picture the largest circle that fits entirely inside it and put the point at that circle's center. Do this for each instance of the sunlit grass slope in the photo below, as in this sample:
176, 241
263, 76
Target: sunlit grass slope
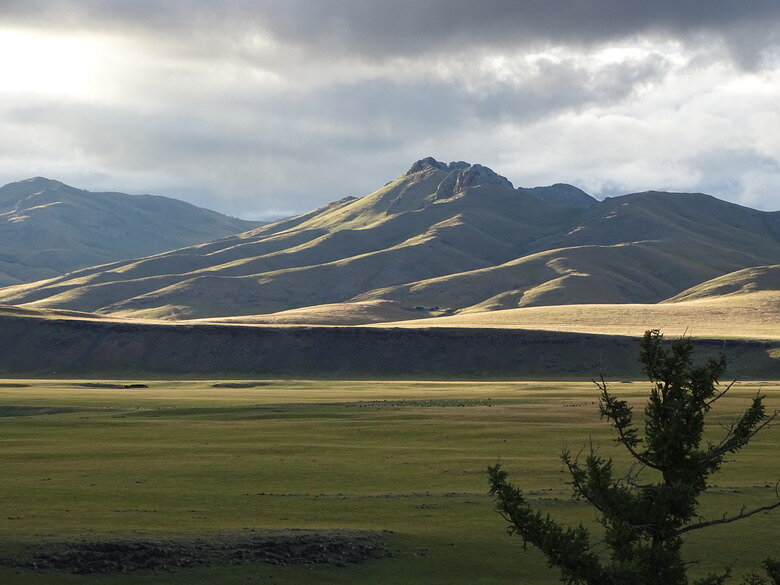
755, 316
741, 304
758, 281
351, 313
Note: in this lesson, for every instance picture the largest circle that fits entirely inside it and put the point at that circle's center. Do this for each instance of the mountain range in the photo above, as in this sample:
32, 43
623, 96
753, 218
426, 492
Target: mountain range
443, 239
48, 228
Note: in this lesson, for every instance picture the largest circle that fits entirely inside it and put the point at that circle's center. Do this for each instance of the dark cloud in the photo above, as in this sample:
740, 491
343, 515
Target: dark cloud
408, 27
379, 29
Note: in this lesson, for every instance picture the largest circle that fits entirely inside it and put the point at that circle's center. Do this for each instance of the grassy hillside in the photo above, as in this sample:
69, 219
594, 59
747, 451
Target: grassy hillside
751, 281
357, 313
48, 228
454, 236
742, 304
435, 220
751, 316
640, 248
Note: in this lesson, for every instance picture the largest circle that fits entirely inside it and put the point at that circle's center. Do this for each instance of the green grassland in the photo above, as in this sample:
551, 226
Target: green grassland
183, 459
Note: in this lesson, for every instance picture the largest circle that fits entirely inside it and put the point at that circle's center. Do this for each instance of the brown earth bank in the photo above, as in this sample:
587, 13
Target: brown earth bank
31, 346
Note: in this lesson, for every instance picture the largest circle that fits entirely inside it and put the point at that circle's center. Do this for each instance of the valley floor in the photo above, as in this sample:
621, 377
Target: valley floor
91, 460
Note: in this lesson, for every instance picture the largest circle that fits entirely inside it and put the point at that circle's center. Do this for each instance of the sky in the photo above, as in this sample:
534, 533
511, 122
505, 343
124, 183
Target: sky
266, 108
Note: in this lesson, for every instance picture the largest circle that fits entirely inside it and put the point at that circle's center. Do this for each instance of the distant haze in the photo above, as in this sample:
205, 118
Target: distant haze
264, 109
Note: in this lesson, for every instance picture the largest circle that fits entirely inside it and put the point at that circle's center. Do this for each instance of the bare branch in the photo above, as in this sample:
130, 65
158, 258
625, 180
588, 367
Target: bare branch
632, 474
721, 394
739, 516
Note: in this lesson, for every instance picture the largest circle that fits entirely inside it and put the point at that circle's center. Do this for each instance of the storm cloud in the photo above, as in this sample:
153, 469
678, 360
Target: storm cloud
261, 109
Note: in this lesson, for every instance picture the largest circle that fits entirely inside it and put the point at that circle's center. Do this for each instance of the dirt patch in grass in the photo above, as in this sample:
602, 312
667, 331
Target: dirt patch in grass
109, 386
32, 410
13, 385
283, 547
428, 403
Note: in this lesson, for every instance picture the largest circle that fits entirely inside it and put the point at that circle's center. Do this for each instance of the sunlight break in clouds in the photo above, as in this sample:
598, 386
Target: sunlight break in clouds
34, 63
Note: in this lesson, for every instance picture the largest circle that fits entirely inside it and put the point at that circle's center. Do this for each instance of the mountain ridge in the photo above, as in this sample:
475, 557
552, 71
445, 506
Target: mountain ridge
454, 235
48, 228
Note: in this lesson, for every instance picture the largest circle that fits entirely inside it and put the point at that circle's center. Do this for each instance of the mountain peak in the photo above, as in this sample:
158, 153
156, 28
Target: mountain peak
425, 164
430, 163
26, 187
462, 174
48, 228
32, 182
39, 181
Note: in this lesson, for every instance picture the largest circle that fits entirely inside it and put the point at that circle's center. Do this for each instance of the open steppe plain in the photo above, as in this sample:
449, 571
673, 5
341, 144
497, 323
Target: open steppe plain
183, 459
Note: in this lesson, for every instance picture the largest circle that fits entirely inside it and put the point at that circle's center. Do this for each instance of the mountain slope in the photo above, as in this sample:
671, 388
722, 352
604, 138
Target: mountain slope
639, 248
48, 228
364, 313
757, 282
454, 236
562, 194
435, 220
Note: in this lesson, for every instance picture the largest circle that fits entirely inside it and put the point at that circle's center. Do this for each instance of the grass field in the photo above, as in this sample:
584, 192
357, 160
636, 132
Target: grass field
183, 459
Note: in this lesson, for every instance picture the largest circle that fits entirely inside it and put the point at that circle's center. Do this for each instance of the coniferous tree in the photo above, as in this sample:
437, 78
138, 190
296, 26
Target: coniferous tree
644, 521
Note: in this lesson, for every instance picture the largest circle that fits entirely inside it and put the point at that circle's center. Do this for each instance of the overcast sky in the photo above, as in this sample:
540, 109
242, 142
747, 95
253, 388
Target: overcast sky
266, 108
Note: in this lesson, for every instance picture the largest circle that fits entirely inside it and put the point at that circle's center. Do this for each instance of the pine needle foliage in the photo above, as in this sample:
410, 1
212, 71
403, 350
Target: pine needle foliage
644, 521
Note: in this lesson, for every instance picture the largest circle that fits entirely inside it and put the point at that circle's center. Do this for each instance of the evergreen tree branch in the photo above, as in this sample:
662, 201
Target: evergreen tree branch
619, 413
741, 432
568, 549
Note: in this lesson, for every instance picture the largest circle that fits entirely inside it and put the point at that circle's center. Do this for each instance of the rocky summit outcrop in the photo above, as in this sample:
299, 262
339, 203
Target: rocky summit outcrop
429, 163
460, 176
475, 175
453, 178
